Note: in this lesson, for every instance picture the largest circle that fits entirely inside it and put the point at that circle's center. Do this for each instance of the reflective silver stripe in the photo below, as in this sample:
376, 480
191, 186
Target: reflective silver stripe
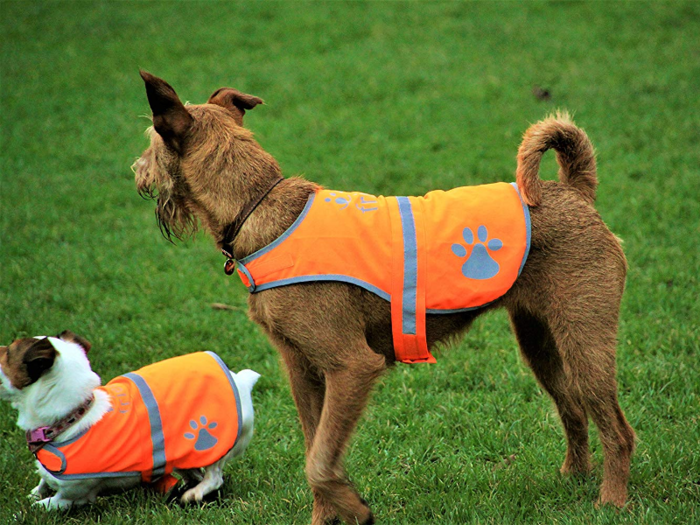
157, 437
328, 277
410, 267
231, 382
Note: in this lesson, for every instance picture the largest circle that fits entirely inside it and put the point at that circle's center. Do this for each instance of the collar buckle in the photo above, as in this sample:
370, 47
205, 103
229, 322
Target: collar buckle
38, 437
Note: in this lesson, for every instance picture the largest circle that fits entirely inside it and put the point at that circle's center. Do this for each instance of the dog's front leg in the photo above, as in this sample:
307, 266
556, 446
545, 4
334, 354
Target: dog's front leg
347, 392
308, 389
41, 491
73, 493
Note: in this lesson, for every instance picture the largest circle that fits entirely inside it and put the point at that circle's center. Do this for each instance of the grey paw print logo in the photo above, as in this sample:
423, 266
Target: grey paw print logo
205, 440
365, 203
480, 265
342, 201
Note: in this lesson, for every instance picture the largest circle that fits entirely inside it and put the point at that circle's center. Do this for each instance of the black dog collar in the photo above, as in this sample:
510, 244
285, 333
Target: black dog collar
231, 231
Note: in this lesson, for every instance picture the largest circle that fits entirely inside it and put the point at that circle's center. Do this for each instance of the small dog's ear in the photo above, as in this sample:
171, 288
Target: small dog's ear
70, 337
39, 358
235, 101
170, 117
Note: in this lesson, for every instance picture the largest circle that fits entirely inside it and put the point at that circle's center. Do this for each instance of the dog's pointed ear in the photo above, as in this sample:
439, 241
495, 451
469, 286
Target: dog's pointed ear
170, 117
235, 101
70, 337
38, 358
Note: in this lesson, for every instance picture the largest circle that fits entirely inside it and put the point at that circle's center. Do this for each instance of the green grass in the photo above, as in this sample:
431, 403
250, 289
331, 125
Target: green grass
391, 98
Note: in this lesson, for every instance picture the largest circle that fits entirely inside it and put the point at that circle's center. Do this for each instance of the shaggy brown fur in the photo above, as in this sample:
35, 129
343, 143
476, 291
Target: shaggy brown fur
336, 338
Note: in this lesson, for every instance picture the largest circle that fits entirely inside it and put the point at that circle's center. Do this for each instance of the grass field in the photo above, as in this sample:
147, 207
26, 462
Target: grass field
387, 98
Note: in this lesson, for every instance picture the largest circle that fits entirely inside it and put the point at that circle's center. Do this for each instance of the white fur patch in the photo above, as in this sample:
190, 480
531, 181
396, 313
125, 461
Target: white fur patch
7, 391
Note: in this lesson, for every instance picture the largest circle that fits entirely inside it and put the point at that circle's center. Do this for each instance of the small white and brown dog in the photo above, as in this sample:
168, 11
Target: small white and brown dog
188, 415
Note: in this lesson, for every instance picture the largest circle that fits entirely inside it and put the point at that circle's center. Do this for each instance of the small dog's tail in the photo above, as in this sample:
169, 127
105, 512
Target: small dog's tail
575, 156
247, 378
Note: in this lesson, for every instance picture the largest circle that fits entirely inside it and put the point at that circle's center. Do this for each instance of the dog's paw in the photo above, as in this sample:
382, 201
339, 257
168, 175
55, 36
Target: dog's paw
200, 494
54, 503
480, 265
192, 495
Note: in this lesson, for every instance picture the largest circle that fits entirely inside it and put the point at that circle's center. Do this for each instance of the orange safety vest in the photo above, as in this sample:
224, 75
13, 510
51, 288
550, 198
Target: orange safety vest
179, 413
446, 252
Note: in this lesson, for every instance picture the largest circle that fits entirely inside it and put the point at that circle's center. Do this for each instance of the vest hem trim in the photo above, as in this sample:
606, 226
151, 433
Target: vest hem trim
236, 396
94, 475
526, 214
316, 278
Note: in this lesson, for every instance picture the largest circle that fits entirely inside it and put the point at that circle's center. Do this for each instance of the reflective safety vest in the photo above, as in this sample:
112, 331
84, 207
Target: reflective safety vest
179, 413
446, 252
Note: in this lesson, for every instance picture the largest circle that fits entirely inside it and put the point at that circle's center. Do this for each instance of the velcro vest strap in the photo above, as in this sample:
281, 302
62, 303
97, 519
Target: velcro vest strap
408, 319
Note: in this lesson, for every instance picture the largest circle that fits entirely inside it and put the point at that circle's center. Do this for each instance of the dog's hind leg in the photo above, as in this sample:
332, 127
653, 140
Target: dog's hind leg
347, 391
616, 435
587, 346
540, 352
617, 438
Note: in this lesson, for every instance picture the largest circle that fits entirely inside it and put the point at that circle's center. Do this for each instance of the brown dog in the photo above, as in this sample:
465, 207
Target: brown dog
336, 339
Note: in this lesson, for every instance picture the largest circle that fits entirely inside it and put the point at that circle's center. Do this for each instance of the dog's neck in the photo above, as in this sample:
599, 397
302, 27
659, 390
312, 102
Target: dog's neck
231, 231
49, 411
270, 219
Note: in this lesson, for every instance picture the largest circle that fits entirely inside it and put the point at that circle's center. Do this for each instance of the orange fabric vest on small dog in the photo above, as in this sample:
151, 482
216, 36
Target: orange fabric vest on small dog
446, 252
179, 413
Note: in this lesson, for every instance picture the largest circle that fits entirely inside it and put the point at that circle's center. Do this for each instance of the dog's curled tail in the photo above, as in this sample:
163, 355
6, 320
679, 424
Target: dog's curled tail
575, 156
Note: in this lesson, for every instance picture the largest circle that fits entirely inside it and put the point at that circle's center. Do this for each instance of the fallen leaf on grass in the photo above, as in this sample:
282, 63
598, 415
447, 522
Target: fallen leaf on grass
222, 306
